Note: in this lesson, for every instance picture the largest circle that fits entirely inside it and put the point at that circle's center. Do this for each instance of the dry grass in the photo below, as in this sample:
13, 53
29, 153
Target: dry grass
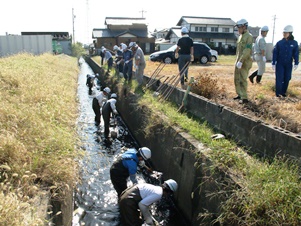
37, 131
263, 104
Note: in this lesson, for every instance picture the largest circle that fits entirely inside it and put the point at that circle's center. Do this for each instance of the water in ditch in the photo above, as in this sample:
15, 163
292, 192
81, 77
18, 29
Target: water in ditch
95, 198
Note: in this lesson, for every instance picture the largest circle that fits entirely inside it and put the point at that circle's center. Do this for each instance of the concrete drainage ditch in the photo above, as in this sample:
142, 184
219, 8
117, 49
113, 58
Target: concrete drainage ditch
95, 200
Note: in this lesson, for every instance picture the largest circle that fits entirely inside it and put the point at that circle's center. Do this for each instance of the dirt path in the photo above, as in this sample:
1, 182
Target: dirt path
263, 105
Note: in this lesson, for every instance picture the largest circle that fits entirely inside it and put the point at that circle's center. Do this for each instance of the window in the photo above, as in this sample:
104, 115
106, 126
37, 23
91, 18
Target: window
196, 28
203, 29
214, 29
226, 29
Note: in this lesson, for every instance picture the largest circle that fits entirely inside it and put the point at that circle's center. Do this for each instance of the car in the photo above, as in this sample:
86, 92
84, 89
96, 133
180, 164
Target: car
201, 54
214, 55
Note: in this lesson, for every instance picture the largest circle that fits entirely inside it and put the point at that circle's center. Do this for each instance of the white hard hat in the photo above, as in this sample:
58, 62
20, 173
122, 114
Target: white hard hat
145, 153
132, 44
265, 28
107, 90
103, 50
115, 47
123, 46
172, 184
114, 95
288, 28
242, 22
184, 30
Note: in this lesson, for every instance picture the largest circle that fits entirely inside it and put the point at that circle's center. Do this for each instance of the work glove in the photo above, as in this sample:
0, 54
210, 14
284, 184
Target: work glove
295, 67
126, 61
115, 112
141, 163
239, 65
264, 59
118, 63
273, 67
191, 58
176, 55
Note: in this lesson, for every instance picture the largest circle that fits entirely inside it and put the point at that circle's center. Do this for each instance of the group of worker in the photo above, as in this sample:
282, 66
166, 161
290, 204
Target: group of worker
135, 200
285, 59
127, 58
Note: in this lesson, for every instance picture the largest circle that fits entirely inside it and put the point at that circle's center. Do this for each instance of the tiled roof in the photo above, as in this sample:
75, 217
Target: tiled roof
207, 20
124, 21
106, 33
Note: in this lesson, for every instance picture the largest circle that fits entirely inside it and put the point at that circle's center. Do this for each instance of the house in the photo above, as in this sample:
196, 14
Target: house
124, 30
61, 41
218, 33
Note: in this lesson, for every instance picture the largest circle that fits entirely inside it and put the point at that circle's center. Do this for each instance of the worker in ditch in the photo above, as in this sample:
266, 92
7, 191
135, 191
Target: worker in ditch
97, 103
138, 198
243, 62
108, 109
126, 167
90, 82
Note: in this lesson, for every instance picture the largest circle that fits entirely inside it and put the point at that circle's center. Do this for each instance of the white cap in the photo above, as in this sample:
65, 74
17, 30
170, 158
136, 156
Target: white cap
184, 30
103, 50
288, 28
114, 95
241, 23
265, 28
115, 47
172, 184
145, 153
107, 90
123, 46
132, 44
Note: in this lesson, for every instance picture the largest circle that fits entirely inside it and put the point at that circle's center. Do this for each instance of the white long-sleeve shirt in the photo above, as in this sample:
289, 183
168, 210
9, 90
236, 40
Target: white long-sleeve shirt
101, 98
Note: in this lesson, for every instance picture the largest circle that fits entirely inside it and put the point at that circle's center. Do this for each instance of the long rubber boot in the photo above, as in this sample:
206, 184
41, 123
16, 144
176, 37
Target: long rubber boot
252, 76
258, 78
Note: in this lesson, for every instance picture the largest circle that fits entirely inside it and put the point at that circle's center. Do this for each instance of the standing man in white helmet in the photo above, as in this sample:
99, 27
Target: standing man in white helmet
109, 59
184, 53
260, 55
139, 64
285, 52
97, 103
243, 62
126, 166
141, 197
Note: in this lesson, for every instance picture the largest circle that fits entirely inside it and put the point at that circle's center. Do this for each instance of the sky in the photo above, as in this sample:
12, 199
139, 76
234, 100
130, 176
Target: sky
57, 15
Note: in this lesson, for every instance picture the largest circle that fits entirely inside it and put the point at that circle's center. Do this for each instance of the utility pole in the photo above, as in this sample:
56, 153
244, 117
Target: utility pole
142, 11
274, 18
73, 17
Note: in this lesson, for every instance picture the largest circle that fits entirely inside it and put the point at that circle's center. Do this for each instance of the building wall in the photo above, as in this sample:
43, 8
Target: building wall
35, 44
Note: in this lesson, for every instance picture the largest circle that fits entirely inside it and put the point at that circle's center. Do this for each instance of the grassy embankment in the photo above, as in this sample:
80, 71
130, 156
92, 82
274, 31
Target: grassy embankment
38, 133
269, 192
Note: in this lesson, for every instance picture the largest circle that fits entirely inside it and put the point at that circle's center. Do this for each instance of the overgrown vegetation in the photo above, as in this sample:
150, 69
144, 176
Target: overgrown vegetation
78, 50
37, 131
269, 190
